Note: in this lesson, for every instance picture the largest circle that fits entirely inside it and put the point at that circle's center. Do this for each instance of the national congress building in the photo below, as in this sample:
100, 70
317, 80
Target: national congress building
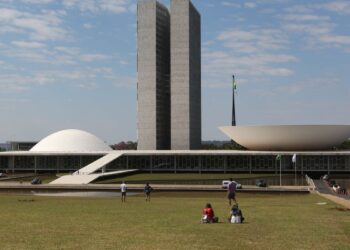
169, 76
169, 120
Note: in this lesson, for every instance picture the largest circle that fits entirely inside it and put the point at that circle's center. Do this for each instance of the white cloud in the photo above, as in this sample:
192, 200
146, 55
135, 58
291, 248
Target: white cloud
75, 53
319, 35
340, 7
221, 63
28, 45
311, 83
335, 39
35, 52
122, 62
28, 55
37, 1
43, 26
313, 29
9, 29
251, 54
301, 9
113, 6
250, 41
305, 17
230, 4
83, 78
93, 57
70, 51
318, 31
88, 26
250, 5
17, 83
123, 81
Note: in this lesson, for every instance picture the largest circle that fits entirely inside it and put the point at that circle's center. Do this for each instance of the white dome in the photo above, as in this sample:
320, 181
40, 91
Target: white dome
71, 140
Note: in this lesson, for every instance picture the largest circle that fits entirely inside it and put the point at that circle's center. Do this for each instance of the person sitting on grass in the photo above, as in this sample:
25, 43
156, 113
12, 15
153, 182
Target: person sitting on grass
236, 215
148, 189
208, 215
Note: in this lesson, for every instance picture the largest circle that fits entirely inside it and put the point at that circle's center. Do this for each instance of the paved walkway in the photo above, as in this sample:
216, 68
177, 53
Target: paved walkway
324, 190
14, 177
84, 178
13, 186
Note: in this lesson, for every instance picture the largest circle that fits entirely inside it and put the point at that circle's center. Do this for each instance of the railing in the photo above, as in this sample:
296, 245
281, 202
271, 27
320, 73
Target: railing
310, 182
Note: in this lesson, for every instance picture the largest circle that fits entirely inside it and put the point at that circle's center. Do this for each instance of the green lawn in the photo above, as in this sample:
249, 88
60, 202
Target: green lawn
182, 177
171, 221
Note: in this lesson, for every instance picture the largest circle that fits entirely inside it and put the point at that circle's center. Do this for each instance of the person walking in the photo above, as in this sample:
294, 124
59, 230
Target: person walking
123, 191
231, 191
148, 189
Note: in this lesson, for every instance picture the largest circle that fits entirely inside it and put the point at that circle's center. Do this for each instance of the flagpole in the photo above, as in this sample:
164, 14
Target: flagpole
233, 102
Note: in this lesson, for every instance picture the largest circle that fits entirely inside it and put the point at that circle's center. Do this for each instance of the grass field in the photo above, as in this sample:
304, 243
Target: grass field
171, 221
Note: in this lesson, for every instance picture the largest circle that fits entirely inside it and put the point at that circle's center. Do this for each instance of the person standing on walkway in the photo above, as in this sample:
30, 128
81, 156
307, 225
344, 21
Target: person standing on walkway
231, 191
123, 191
148, 189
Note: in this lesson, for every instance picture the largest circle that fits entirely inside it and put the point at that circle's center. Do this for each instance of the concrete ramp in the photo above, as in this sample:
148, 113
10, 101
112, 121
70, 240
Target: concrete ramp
87, 174
98, 164
76, 179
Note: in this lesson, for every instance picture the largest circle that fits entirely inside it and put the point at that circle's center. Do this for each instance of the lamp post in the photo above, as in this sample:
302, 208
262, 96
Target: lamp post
294, 160
279, 158
281, 171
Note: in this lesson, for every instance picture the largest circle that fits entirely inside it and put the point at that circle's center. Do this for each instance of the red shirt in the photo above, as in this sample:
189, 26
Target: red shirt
209, 212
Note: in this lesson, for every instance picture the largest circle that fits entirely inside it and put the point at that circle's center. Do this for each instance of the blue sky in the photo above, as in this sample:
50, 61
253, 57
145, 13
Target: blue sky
72, 64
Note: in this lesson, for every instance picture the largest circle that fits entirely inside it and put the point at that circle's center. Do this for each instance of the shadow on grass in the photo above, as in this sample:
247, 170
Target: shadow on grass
340, 209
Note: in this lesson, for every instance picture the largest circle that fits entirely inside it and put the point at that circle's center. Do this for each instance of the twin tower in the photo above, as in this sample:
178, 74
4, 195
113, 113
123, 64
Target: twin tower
169, 76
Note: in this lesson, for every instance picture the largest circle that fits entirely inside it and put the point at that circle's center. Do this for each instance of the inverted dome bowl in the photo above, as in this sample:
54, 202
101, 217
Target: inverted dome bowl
288, 137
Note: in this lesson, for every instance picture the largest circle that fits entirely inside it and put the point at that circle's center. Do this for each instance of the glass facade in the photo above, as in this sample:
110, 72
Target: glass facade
4, 161
237, 163
183, 163
46, 163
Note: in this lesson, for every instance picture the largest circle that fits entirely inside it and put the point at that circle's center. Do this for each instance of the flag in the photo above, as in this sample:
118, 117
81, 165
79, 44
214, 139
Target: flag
294, 159
278, 157
234, 86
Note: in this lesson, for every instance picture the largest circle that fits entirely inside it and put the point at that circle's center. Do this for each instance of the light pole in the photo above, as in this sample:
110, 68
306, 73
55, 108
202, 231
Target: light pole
294, 160
279, 158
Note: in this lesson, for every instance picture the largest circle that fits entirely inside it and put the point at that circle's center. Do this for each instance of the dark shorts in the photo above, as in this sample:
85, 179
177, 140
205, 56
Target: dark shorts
123, 193
231, 196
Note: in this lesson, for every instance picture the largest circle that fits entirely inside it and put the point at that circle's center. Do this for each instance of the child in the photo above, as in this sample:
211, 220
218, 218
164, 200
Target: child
208, 215
236, 215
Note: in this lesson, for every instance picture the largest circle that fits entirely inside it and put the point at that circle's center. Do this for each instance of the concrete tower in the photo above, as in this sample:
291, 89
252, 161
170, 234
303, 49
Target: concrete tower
186, 131
153, 66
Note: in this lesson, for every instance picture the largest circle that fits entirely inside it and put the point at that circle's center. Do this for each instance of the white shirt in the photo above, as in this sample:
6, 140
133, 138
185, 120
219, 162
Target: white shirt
123, 187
